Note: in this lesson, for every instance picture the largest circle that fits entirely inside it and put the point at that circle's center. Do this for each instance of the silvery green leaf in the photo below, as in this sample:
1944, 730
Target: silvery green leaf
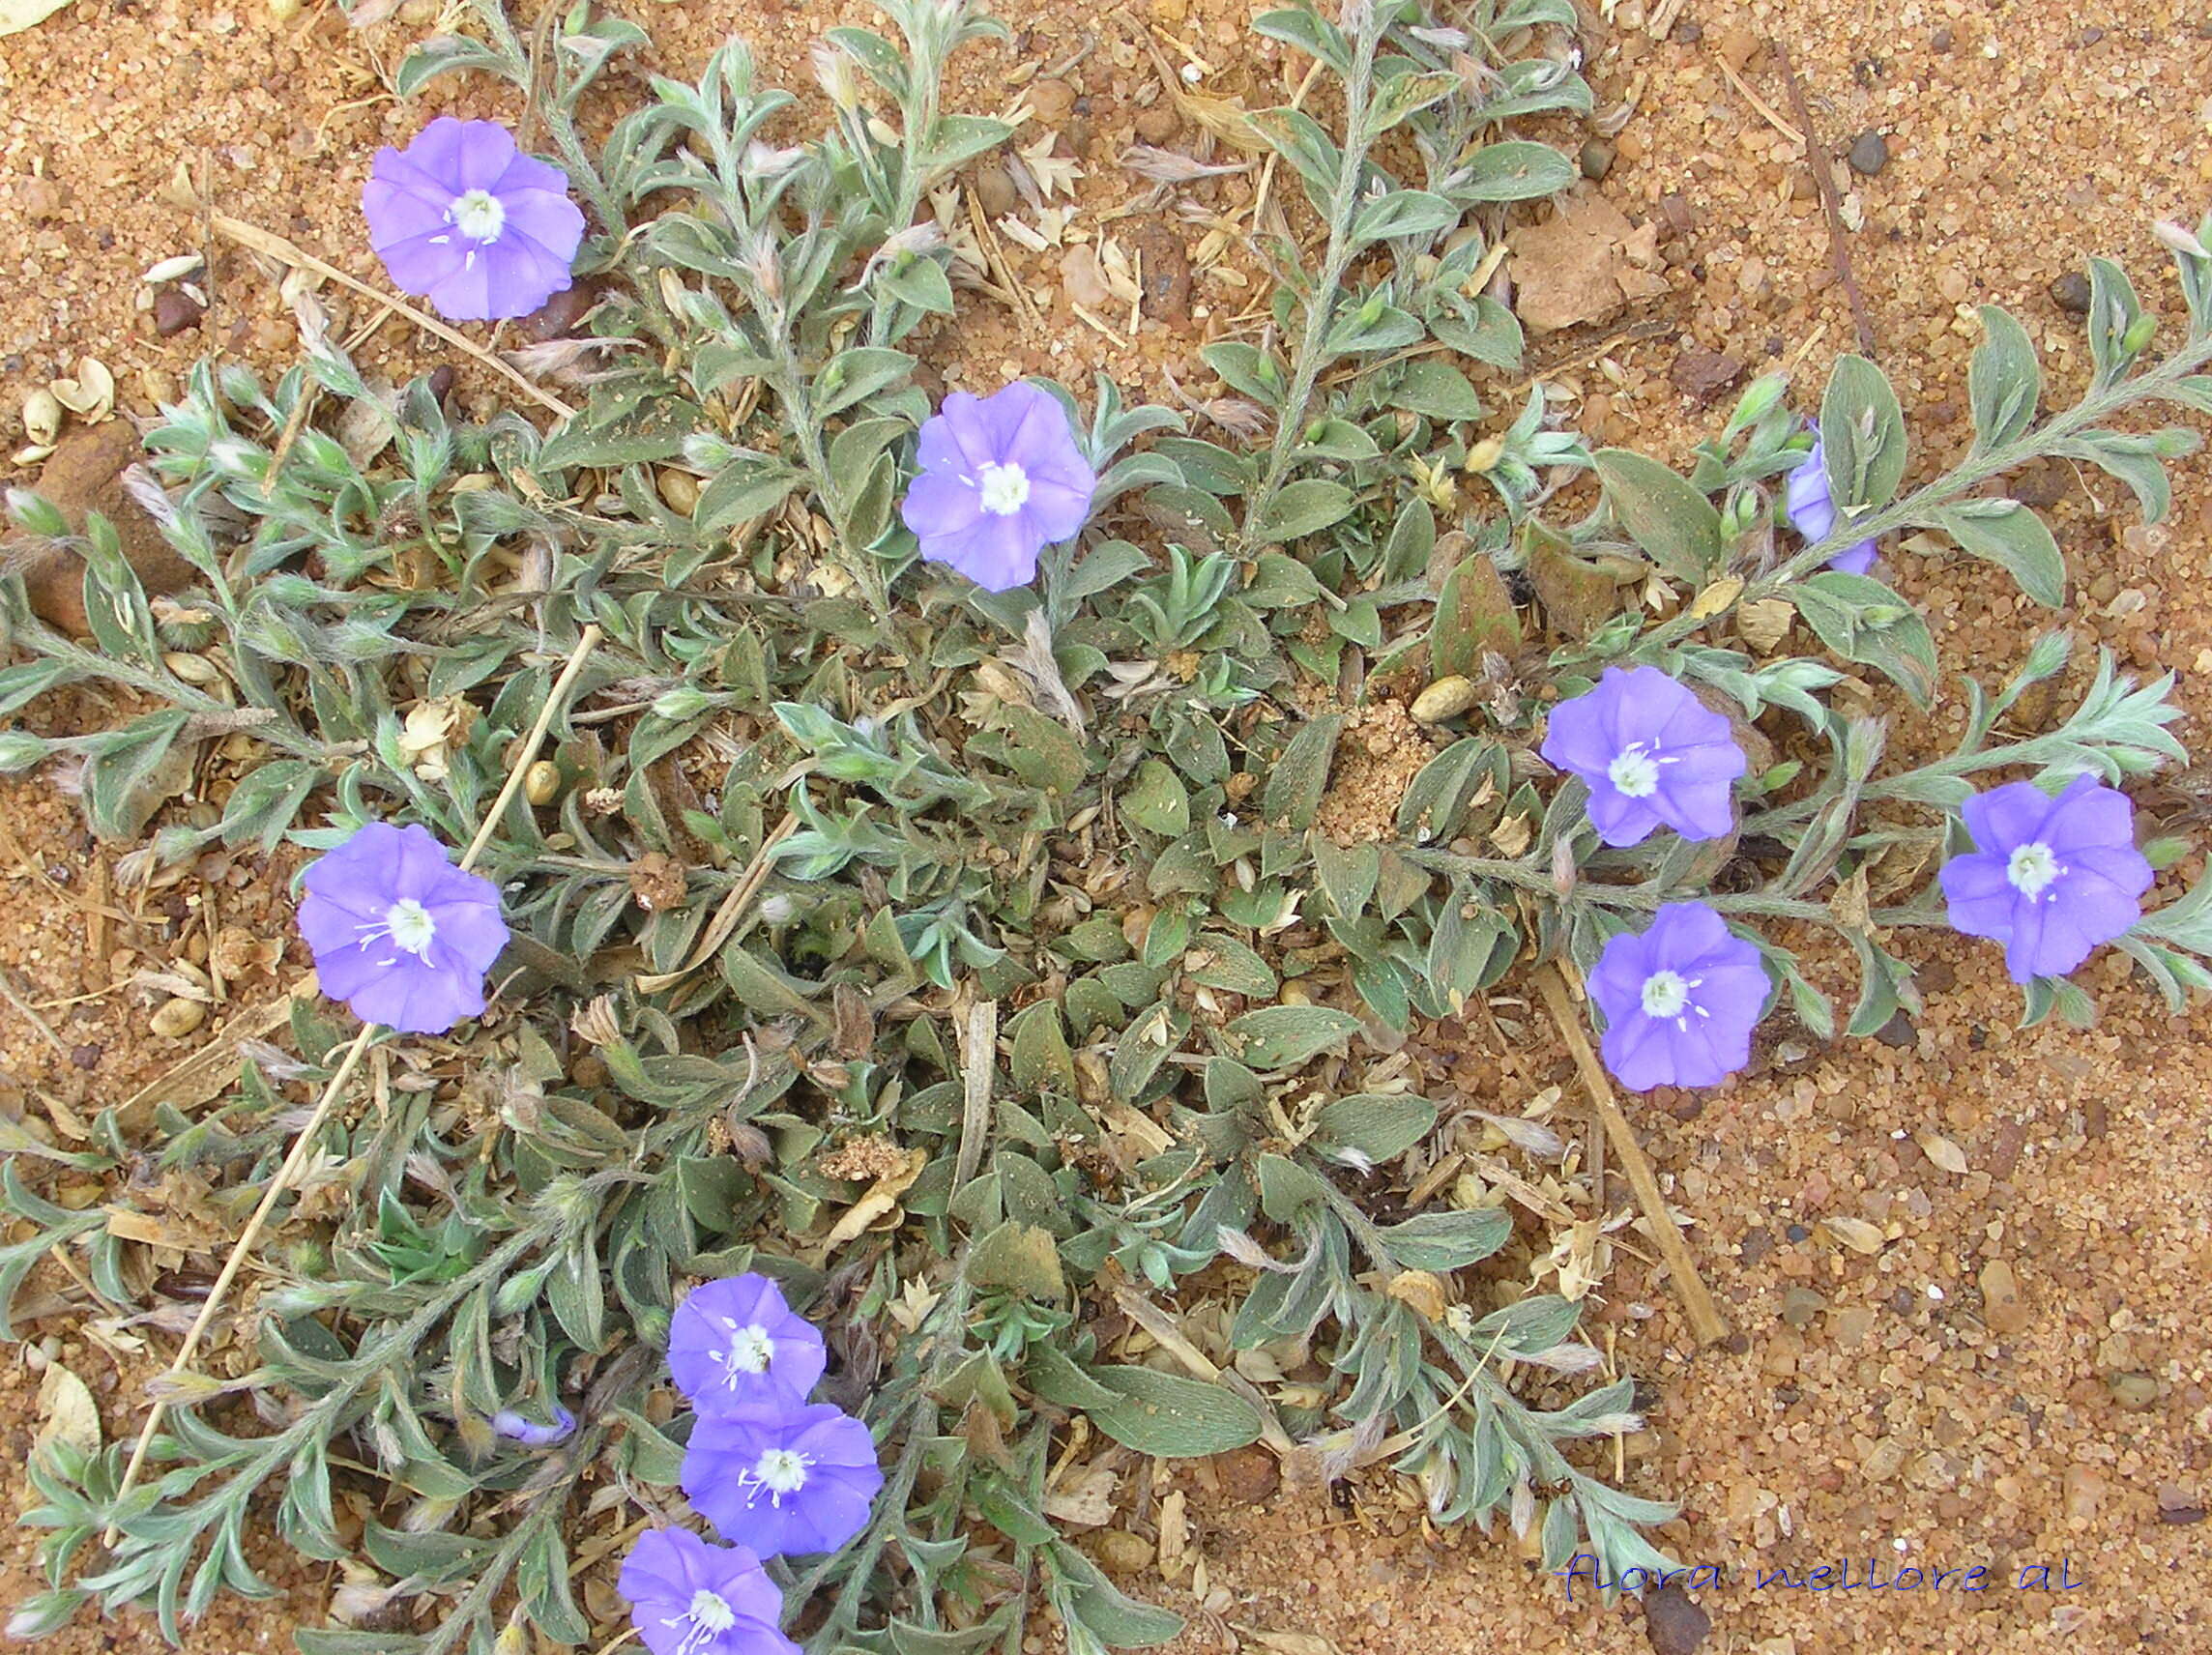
1434, 390
1157, 801
121, 770
853, 376
2013, 537
919, 282
1209, 465
1514, 171
1475, 615
1448, 1240
884, 63
2041, 997
1885, 987
442, 54
636, 421
1172, 1417
2114, 309
1106, 1613
1376, 1128
2175, 976
2192, 392
1259, 374
1406, 93
1308, 31
1297, 137
1301, 507
2005, 382
1021, 1257
1536, 1322
2135, 459
1220, 961
1663, 513
750, 486
1296, 785
1403, 213
1862, 620
1482, 329
1108, 564
1445, 788
1862, 437
956, 138
1284, 1036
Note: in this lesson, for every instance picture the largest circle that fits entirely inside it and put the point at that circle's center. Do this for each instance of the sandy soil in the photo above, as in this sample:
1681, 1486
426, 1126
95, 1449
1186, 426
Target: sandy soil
1879, 1404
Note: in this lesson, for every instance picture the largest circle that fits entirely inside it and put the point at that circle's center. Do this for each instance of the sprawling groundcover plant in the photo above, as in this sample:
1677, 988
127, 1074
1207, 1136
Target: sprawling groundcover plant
938, 1029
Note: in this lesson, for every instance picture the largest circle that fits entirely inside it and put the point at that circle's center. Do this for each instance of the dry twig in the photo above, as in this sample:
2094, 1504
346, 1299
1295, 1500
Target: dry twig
1704, 1315
1831, 205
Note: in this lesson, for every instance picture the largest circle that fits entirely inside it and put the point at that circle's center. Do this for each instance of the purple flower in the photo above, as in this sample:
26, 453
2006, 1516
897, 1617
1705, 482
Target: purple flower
399, 933
736, 1344
532, 1434
1651, 753
463, 218
1680, 1000
689, 1598
783, 1479
1813, 511
1001, 479
2048, 877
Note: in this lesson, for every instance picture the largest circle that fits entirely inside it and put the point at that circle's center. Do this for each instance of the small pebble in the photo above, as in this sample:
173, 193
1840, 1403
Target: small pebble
1800, 1305
995, 191
1869, 154
1158, 124
1051, 102
1942, 40
1673, 1624
85, 1056
1704, 374
1898, 1033
175, 311
2071, 293
1596, 160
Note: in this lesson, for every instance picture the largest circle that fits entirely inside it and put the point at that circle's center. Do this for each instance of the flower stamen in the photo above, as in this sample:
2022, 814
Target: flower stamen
2033, 868
479, 215
1004, 489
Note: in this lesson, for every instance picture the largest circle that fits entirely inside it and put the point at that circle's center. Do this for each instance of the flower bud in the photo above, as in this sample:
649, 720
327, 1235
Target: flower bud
35, 514
20, 751
681, 703
2138, 333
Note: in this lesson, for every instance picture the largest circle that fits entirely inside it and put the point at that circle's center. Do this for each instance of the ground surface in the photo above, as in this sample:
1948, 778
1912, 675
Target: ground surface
1892, 1405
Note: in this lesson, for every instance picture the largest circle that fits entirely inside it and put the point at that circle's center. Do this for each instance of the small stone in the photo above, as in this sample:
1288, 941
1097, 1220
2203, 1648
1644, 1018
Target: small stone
2134, 1392
2071, 293
1738, 46
2177, 1505
542, 782
1898, 1033
1081, 279
1703, 374
1673, 1624
1942, 40
1869, 154
1800, 1305
560, 316
84, 473
995, 191
178, 1017
1051, 102
85, 1056
1248, 1476
2085, 1494
175, 311
1688, 33
1158, 124
2003, 1306
679, 490
1595, 160
442, 379
1798, 1232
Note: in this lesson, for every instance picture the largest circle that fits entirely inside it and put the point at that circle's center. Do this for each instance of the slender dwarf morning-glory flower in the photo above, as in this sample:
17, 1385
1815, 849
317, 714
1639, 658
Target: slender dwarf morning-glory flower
533, 1433
399, 933
1000, 480
2048, 877
1680, 999
689, 1598
462, 218
1651, 753
783, 1479
1812, 510
736, 1344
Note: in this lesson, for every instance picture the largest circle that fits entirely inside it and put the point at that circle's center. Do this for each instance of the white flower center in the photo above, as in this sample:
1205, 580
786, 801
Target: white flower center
1006, 489
1666, 995
1635, 774
750, 1351
2033, 868
408, 923
781, 1471
479, 215
709, 1612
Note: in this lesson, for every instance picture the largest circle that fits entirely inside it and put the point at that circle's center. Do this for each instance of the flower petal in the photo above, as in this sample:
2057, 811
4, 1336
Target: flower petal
939, 504
997, 553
